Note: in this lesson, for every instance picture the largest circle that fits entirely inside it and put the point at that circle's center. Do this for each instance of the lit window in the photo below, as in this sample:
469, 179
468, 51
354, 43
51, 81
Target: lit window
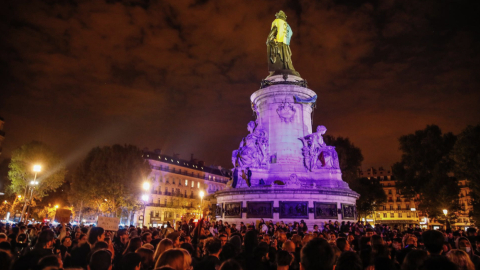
193, 183
198, 184
186, 182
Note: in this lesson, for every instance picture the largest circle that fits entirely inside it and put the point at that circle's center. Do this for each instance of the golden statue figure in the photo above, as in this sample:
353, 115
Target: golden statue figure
278, 47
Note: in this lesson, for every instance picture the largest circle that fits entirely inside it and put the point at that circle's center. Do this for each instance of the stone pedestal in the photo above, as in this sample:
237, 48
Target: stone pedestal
287, 204
293, 174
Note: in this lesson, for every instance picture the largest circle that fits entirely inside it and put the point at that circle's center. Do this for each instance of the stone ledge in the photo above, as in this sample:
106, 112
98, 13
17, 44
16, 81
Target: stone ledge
286, 190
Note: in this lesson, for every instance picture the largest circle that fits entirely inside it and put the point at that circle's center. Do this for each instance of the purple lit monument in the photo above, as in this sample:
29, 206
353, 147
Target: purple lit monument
282, 169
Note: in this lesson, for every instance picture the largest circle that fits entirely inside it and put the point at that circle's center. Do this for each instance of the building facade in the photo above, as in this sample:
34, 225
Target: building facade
398, 210
402, 211
465, 205
176, 185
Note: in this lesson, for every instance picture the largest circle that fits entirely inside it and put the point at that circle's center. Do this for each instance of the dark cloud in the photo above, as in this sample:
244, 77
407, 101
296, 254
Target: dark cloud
178, 75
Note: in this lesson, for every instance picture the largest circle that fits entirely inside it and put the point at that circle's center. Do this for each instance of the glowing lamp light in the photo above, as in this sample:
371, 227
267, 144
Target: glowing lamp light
202, 194
412, 209
445, 212
19, 196
56, 206
146, 185
195, 220
37, 168
145, 197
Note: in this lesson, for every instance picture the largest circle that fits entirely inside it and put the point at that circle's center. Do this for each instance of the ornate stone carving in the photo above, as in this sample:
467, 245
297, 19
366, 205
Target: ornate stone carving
233, 210
315, 150
293, 181
219, 210
259, 209
252, 152
325, 210
293, 209
348, 211
286, 111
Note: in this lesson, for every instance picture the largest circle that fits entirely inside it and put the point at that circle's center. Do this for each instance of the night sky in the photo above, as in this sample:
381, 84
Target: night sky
177, 75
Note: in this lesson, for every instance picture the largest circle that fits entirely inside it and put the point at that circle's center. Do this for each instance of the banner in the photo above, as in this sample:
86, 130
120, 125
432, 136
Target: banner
63, 215
108, 223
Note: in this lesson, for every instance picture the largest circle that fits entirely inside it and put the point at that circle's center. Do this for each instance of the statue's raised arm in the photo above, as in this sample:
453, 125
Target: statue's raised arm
278, 47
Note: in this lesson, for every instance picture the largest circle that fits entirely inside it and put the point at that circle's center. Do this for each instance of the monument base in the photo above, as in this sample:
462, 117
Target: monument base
287, 203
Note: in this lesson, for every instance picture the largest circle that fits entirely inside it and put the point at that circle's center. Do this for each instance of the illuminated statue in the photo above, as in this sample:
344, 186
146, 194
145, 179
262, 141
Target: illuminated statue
315, 149
252, 151
278, 47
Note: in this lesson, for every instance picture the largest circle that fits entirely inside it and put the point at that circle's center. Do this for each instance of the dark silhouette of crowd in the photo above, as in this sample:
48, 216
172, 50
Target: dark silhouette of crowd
221, 246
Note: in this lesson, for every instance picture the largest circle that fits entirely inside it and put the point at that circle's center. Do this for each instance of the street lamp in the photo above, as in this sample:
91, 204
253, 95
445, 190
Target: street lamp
36, 168
145, 199
445, 212
146, 186
201, 201
56, 206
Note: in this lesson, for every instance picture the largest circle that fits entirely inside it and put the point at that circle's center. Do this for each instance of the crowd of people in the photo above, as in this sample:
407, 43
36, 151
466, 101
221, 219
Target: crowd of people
218, 245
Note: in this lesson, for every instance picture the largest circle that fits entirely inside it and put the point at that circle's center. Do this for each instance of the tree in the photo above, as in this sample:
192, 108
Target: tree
349, 156
466, 154
371, 195
425, 170
4, 181
20, 173
110, 179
